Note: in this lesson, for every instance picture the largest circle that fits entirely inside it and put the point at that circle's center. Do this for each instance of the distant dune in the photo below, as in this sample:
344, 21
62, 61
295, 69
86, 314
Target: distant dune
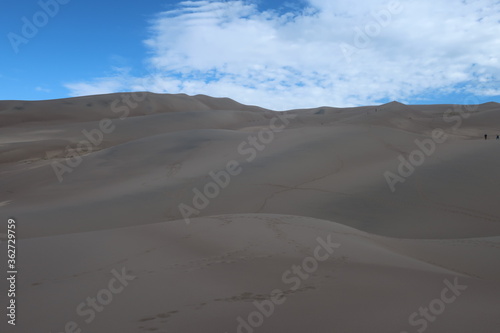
208, 203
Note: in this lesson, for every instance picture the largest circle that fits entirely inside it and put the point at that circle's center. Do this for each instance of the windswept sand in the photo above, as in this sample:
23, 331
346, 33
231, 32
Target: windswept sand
322, 176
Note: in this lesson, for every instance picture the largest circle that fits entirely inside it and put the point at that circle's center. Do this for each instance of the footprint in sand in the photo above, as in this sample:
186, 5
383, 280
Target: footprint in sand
5, 203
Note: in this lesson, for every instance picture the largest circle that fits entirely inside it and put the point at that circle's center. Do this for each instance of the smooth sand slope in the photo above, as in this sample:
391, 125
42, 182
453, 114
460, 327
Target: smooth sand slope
260, 187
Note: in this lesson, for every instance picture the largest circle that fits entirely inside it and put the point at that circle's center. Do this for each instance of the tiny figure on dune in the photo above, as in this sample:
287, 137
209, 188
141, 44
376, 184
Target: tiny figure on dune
486, 136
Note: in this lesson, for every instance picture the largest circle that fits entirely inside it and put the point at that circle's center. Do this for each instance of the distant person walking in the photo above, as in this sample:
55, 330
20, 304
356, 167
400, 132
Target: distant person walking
498, 137
486, 136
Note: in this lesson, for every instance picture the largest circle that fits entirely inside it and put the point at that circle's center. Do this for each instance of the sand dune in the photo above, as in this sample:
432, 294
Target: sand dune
98, 183
205, 276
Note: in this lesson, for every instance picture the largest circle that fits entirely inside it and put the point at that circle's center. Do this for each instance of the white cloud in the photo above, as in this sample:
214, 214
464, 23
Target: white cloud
98, 86
118, 80
42, 89
330, 53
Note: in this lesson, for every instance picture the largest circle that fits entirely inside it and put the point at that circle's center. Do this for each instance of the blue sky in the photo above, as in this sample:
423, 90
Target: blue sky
276, 54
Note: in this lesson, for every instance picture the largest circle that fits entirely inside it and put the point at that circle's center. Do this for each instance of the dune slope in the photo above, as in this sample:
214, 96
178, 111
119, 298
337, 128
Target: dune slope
189, 213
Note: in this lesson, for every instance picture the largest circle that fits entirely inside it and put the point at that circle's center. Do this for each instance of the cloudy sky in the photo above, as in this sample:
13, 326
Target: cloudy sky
276, 54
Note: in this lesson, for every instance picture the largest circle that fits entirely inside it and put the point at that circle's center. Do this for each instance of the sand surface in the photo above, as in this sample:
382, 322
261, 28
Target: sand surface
285, 184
